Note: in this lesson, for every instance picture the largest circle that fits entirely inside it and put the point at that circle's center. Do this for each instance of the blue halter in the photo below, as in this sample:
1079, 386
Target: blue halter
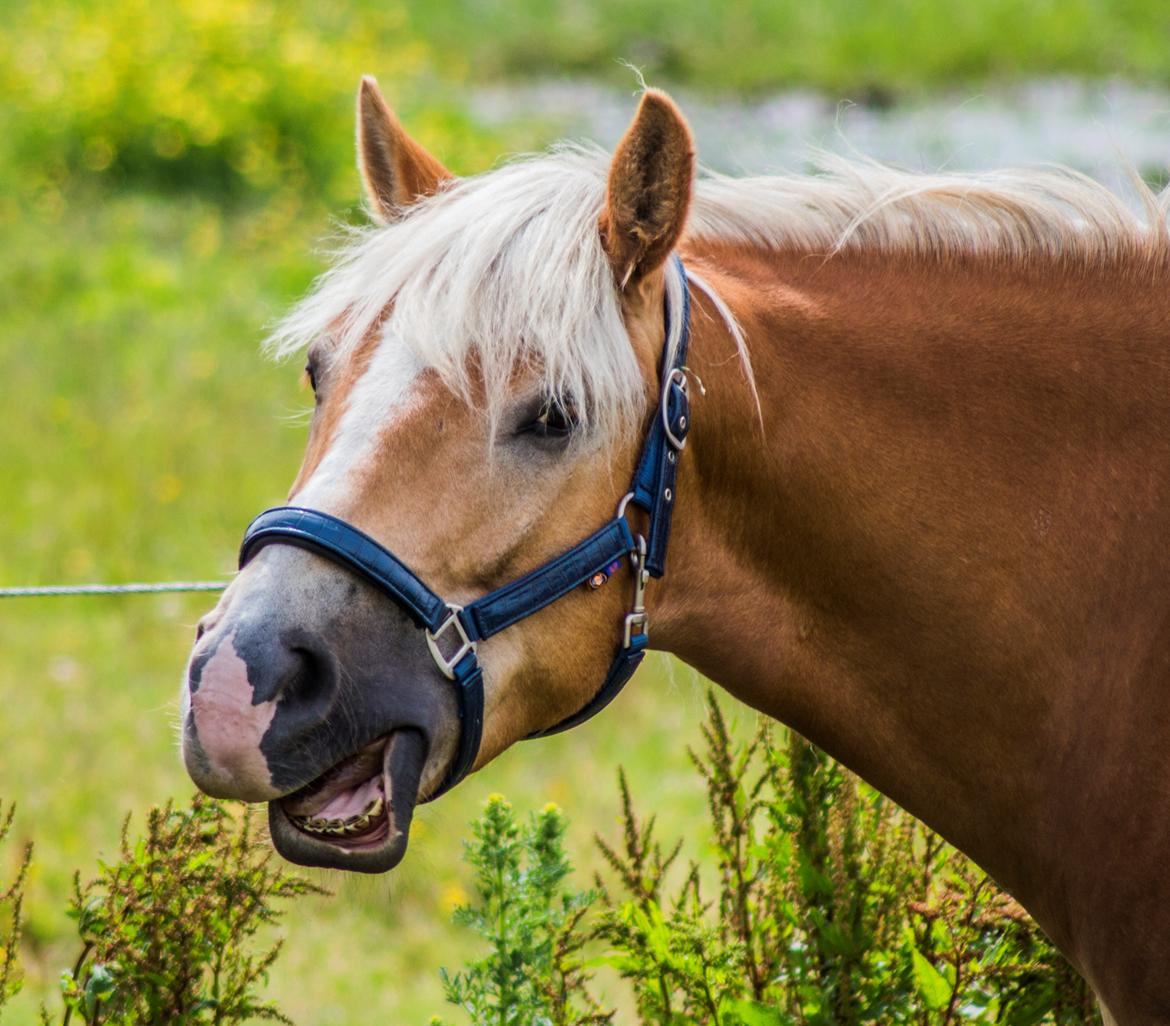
457, 629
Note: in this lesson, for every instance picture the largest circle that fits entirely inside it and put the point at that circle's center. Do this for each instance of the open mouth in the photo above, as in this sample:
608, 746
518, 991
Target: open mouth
355, 816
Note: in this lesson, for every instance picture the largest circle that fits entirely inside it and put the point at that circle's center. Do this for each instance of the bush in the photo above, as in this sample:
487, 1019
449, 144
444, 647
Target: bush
533, 974
830, 906
213, 96
167, 930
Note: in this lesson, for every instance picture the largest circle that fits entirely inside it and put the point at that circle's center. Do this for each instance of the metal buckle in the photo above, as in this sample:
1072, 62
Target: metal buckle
447, 664
637, 617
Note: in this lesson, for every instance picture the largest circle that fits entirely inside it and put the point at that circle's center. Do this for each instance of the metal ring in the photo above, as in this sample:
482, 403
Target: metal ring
679, 375
621, 509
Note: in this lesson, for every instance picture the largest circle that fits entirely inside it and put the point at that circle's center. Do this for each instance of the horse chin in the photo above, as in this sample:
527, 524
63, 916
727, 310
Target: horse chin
357, 815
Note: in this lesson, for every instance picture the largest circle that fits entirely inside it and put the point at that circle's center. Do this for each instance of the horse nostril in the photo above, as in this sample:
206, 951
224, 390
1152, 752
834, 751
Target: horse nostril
302, 682
303, 679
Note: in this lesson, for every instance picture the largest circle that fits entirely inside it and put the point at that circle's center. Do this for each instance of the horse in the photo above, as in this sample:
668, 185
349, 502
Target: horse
920, 516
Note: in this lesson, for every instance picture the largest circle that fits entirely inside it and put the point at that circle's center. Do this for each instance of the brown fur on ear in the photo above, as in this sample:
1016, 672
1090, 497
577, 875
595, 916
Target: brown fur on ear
649, 189
396, 170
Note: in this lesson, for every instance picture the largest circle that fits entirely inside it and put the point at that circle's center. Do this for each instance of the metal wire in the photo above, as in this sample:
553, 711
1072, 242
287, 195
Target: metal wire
111, 589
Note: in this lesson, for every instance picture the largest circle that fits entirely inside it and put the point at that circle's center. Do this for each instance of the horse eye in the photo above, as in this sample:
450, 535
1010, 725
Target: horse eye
556, 419
311, 376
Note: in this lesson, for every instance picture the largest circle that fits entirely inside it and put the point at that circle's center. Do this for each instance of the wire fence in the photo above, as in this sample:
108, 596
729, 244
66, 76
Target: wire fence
57, 590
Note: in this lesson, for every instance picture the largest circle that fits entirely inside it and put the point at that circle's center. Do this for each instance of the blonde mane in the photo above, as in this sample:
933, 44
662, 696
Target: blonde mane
507, 267
1002, 216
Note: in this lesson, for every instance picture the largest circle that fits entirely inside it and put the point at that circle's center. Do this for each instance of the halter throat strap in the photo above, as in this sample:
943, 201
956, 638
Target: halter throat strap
453, 632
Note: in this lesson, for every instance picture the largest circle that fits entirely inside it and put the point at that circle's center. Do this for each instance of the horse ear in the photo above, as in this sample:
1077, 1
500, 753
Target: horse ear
396, 170
649, 189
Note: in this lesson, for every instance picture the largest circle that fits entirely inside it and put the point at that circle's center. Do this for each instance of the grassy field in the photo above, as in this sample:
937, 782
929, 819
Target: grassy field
165, 174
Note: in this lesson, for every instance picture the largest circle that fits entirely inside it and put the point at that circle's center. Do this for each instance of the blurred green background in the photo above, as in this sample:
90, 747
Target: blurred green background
167, 172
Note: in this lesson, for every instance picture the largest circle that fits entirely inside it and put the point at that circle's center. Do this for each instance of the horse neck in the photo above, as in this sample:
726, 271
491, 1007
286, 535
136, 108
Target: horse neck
941, 538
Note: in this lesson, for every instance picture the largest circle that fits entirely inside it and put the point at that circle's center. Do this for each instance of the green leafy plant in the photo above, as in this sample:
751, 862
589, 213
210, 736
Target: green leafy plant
11, 913
533, 974
167, 930
825, 905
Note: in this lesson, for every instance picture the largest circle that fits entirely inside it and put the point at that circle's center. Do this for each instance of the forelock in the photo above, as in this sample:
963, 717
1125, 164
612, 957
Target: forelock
497, 273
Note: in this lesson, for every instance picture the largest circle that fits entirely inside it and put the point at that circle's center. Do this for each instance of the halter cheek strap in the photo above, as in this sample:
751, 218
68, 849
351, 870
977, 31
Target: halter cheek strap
453, 632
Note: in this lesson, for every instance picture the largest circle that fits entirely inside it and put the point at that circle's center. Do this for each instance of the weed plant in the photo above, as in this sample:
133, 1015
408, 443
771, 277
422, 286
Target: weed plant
168, 931
533, 974
827, 905
11, 913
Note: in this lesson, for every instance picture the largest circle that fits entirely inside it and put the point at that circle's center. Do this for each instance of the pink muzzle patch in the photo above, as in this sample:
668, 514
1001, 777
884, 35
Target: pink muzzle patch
229, 728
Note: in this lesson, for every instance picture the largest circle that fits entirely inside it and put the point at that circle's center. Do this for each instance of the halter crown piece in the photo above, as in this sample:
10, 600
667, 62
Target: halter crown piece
452, 631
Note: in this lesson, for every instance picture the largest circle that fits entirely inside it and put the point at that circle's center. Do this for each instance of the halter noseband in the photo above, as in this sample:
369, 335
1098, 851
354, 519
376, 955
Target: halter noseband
458, 629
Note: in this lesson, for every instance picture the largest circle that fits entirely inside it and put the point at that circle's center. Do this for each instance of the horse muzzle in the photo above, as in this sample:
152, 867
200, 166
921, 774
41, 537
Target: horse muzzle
301, 693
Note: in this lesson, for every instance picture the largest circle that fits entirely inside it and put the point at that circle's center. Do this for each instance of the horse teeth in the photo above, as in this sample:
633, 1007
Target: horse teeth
352, 825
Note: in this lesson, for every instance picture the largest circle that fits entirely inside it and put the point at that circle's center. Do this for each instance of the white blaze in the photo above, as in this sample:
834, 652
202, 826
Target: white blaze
381, 393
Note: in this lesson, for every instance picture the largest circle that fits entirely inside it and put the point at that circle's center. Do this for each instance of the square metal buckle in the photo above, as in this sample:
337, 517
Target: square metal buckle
634, 620
447, 664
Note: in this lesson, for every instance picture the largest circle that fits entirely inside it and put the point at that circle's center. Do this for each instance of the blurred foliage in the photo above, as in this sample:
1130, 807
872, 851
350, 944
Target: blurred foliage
219, 97
253, 98
831, 907
863, 49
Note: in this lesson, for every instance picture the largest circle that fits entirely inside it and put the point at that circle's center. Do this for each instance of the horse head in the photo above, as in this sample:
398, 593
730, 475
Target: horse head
485, 361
